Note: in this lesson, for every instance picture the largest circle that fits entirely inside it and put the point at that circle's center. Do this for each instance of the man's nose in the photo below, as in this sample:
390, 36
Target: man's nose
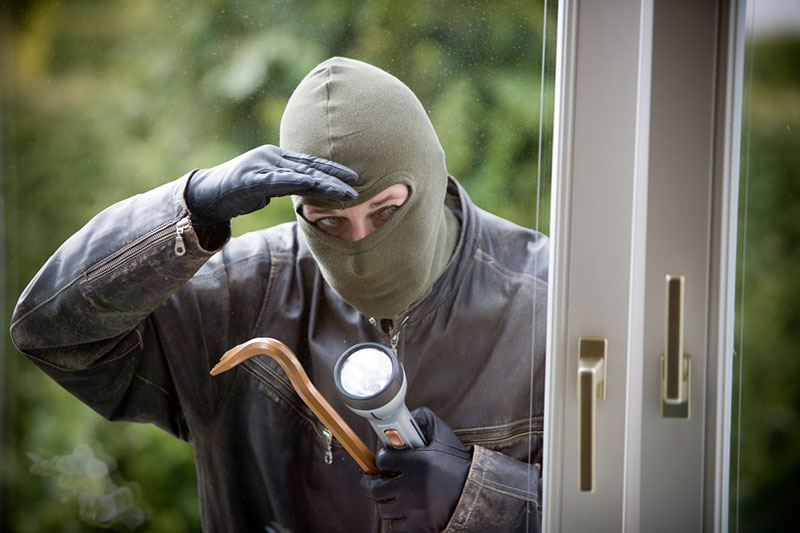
360, 228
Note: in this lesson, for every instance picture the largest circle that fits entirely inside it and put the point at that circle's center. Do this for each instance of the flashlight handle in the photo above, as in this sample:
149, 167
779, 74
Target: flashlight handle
398, 429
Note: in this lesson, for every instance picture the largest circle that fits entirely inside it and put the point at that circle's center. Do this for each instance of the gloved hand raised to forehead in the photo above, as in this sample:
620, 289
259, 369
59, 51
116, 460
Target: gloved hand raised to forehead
247, 182
419, 488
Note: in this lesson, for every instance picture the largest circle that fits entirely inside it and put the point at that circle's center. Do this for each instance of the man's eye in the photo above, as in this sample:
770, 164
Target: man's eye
387, 212
328, 223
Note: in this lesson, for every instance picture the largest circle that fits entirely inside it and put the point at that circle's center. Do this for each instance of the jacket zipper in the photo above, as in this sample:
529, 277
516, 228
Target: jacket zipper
158, 235
328, 436
390, 328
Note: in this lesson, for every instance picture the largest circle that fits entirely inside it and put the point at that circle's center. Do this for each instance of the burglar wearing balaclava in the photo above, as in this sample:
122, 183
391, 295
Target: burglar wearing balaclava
131, 313
340, 112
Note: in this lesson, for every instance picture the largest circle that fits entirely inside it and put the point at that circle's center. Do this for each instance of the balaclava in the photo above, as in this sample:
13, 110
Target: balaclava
362, 117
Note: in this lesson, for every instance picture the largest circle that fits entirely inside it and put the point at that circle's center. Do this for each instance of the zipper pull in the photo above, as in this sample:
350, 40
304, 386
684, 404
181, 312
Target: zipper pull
329, 445
394, 331
391, 329
182, 225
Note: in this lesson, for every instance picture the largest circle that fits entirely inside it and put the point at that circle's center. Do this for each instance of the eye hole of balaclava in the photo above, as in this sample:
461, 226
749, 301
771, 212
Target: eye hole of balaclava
358, 221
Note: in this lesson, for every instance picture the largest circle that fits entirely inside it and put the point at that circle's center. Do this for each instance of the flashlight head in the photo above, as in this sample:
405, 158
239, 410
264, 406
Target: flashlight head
372, 384
368, 376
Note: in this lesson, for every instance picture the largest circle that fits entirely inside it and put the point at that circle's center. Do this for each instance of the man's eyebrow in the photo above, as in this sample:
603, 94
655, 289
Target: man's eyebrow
329, 211
384, 200
320, 210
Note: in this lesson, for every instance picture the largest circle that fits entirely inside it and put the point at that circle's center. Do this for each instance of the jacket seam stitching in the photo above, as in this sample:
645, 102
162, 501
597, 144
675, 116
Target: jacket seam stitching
508, 490
289, 401
513, 423
497, 442
157, 387
268, 290
67, 369
267, 377
169, 397
223, 268
474, 502
492, 261
45, 302
206, 429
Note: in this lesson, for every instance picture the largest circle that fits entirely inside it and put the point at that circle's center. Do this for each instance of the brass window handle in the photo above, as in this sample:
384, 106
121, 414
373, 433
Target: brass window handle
591, 387
676, 366
305, 389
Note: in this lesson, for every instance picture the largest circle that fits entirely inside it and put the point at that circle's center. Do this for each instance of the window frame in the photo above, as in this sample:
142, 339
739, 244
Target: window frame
616, 56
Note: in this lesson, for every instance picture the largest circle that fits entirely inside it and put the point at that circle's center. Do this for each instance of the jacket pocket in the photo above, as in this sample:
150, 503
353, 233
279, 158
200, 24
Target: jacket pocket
278, 388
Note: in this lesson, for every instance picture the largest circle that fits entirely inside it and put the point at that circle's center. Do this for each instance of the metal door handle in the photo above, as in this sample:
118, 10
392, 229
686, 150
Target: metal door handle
676, 366
591, 387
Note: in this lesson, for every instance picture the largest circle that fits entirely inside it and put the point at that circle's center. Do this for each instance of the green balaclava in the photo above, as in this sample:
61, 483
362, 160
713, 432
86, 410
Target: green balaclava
362, 117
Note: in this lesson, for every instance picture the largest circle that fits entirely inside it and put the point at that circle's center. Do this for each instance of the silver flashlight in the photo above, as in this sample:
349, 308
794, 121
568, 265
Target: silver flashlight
372, 383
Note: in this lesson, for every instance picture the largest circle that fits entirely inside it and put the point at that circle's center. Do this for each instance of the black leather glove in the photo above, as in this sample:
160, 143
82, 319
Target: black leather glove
247, 182
419, 488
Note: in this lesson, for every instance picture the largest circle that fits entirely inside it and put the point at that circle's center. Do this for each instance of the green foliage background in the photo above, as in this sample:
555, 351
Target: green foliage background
765, 439
102, 100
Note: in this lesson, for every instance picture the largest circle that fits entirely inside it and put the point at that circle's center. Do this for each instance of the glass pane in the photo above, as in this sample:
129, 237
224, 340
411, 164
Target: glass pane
766, 401
102, 101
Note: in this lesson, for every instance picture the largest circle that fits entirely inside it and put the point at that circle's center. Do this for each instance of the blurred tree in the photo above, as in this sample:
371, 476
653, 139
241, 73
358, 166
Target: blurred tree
102, 100
766, 424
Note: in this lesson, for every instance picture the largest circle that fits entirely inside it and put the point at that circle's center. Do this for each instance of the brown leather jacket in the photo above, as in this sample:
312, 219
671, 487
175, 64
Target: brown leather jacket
130, 314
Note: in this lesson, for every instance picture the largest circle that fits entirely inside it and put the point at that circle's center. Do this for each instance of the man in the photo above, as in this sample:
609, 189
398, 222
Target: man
132, 312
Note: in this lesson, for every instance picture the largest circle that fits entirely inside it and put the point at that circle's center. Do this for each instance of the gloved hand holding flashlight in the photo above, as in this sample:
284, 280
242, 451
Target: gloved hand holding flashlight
424, 465
419, 487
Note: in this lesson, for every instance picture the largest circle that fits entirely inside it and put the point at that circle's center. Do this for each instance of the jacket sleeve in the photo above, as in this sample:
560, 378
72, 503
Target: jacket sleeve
500, 494
88, 317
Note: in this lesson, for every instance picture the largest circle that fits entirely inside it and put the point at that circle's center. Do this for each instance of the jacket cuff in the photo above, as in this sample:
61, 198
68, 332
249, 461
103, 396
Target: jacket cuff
500, 494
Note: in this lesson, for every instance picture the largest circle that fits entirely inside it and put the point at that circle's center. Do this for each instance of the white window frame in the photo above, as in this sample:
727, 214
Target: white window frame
629, 151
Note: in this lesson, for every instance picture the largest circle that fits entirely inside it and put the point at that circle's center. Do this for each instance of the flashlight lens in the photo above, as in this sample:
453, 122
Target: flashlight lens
366, 372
